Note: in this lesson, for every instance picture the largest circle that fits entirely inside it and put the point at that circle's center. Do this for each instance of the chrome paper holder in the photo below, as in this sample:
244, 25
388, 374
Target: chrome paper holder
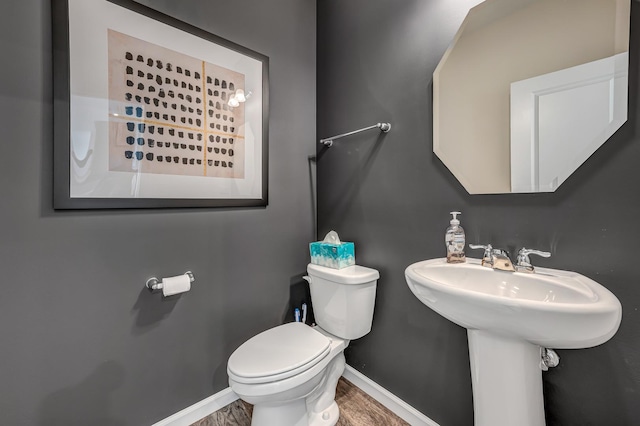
328, 142
154, 283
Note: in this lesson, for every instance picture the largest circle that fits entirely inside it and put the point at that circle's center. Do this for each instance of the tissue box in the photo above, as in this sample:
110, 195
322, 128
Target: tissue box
336, 256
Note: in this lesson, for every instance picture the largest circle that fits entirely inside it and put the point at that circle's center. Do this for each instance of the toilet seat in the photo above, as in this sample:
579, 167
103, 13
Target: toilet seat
278, 353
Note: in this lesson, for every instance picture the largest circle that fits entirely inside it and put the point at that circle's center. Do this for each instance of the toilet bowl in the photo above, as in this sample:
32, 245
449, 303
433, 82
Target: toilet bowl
290, 372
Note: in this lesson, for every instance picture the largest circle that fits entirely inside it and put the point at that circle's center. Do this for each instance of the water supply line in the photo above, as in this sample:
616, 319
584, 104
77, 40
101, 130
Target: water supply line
548, 359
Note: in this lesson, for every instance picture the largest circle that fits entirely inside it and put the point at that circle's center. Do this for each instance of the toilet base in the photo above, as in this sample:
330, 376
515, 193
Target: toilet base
321, 405
292, 413
315, 406
328, 417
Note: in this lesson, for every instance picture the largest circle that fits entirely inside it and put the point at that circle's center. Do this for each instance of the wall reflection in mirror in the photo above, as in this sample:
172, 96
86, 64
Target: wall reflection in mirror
528, 90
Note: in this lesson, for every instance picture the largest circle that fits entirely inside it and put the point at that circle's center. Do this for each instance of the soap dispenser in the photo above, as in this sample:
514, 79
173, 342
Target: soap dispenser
455, 241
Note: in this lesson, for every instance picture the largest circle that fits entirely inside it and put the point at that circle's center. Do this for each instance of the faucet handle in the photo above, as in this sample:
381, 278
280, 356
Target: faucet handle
487, 249
523, 260
487, 257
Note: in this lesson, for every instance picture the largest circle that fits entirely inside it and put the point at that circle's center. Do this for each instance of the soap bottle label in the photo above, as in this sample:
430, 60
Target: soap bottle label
455, 244
455, 247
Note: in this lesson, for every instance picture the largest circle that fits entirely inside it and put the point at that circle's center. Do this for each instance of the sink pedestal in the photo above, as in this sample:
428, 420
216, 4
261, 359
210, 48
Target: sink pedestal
506, 379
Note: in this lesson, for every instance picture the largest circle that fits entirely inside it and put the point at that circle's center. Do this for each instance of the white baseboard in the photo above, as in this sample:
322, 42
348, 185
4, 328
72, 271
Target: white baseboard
226, 396
200, 409
386, 398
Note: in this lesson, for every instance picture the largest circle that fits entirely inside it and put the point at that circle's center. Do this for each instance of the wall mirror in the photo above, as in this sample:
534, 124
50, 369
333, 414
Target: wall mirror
528, 90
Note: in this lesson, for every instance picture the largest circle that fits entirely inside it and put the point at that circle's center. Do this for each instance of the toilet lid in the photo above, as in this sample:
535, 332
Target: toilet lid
275, 352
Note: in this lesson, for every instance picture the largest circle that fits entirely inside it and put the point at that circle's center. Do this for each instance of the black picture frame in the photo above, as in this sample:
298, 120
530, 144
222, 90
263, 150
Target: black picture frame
63, 198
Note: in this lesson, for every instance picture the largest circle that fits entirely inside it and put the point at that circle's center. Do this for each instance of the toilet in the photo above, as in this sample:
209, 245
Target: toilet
290, 372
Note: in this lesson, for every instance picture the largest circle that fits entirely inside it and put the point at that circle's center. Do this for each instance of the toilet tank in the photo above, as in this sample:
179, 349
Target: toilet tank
343, 299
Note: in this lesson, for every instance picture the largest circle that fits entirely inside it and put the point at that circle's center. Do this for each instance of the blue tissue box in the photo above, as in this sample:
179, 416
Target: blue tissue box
336, 256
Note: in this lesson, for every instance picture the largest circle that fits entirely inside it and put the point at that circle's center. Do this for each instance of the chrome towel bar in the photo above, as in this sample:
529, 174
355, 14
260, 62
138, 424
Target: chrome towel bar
328, 142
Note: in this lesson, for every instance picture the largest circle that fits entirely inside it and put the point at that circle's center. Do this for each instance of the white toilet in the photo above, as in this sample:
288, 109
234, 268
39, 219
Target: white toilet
290, 372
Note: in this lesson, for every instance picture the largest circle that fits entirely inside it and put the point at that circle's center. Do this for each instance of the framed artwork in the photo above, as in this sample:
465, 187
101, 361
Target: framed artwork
152, 112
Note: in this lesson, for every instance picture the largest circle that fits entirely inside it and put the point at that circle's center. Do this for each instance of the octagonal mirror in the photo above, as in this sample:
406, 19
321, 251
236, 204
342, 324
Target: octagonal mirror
529, 90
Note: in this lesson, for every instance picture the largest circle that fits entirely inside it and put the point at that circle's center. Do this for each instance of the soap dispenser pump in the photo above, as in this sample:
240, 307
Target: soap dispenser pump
454, 240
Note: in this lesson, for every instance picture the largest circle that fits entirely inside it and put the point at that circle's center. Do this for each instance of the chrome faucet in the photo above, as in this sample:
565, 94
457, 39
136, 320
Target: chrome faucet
523, 261
499, 258
495, 258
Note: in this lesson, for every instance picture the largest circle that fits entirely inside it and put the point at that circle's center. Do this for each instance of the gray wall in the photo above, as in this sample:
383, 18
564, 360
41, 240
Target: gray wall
82, 342
391, 196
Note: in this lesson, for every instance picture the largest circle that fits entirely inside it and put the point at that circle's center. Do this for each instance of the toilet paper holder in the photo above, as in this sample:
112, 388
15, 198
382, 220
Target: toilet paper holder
154, 283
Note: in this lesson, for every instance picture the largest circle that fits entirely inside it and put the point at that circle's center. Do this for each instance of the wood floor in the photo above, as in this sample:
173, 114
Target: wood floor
356, 409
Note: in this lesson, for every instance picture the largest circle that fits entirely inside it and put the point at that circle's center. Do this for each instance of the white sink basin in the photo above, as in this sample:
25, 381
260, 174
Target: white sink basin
551, 308
510, 317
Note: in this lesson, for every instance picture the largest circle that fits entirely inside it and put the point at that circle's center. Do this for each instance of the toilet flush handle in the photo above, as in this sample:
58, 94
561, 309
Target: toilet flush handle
307, 278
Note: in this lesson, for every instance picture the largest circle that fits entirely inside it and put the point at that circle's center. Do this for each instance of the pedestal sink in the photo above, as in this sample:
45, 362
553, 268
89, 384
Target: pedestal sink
510, 317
